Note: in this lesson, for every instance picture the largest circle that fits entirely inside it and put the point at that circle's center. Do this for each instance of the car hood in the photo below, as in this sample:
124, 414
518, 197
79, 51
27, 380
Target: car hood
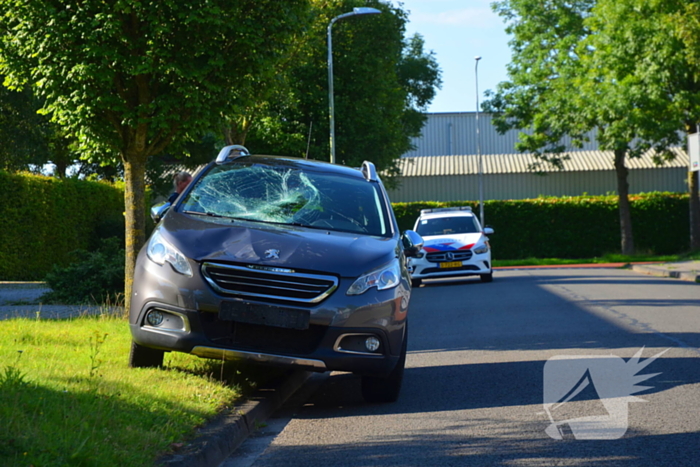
437, 243
243, 242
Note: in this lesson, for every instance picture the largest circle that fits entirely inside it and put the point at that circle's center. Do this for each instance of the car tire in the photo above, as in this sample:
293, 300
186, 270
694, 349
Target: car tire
145, 357
386, 389
487, 277
416, 282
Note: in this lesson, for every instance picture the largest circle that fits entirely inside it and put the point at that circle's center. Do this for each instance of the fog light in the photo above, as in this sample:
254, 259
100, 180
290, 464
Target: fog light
372, 344
155, 318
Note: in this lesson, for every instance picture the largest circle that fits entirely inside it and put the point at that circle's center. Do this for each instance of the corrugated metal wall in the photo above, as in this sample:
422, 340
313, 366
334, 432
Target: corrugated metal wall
447, 134
528, 185
450, 173
578, 161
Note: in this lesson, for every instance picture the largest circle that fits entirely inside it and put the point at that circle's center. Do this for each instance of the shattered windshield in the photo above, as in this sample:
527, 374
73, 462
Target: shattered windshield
289, 195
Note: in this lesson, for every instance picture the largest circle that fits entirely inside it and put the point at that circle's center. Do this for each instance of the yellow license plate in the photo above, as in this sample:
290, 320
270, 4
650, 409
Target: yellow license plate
451, 264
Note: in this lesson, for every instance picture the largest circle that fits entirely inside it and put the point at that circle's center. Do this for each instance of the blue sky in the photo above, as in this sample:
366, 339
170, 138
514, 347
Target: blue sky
457, 31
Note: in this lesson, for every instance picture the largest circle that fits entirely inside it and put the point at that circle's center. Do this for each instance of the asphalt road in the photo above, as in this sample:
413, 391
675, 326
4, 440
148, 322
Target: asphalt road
478, 367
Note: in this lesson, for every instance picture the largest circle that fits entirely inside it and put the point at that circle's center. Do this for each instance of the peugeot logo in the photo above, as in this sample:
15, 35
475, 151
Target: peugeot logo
272, 254
450, 256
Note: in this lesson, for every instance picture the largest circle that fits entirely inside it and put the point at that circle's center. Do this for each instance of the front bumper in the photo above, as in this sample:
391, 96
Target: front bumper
192, 324
421, 268
320, 348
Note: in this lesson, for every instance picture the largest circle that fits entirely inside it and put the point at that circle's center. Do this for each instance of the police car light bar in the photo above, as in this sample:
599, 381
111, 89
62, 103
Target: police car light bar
454, 208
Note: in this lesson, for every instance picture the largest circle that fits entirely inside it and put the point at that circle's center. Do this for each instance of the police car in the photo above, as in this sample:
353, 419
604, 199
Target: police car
455, 245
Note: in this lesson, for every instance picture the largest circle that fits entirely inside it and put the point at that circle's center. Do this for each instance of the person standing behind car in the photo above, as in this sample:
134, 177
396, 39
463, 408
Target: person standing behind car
180, 182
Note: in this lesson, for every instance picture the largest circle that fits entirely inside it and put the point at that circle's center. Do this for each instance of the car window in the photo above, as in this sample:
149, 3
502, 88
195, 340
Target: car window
290, 195
446, 226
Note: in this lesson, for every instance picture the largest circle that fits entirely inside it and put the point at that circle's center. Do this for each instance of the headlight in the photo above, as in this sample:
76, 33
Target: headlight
161, 252
383, 278
481, 249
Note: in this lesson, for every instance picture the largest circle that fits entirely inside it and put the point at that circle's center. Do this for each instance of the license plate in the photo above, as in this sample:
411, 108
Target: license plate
451, 264
252, 313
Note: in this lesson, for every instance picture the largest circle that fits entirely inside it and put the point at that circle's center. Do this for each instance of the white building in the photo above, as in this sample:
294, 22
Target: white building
444, 166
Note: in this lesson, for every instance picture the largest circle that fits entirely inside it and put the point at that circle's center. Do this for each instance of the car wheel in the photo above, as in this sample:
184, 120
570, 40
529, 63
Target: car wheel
144, 357
416, 282
387, 389
487, 277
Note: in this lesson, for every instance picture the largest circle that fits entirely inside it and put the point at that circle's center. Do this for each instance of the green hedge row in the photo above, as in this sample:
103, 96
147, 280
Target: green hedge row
574, 227
44, 219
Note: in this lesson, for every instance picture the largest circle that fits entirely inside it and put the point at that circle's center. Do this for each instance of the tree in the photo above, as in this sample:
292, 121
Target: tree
23, 143
131, 78
563, 83
28, 140
661, 53
686, 22
269, 86
649, 46
383, 83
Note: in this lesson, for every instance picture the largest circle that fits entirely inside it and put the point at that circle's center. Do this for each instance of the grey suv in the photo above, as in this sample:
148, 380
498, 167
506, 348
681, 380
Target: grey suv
281, 261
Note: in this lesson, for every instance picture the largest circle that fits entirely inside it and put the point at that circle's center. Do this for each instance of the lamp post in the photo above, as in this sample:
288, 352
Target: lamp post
355, 12
478, 145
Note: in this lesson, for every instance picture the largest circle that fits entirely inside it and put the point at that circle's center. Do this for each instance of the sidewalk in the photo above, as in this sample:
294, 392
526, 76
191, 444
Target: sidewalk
683, 270
21, 300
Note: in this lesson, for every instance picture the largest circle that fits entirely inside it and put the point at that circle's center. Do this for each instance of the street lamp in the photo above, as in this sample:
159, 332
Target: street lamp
478, 145
355, 11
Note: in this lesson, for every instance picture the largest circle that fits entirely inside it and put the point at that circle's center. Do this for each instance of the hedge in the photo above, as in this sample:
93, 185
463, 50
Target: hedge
574, 227
44, 219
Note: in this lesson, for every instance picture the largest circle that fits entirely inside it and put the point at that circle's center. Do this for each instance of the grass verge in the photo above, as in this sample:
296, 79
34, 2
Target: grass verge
611, 258
68, 397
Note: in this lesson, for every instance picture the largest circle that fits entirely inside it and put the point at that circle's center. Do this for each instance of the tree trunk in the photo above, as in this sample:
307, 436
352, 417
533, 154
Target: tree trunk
627, 241
694, 211
135, 217
60, 168
237, 131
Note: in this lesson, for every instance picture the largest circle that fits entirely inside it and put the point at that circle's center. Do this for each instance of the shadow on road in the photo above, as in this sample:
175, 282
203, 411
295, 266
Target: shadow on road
452, 449
473, 386
477, 386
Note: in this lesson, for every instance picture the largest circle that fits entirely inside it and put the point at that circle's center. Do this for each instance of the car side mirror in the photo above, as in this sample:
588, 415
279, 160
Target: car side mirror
412, 243
488, 230
159, 210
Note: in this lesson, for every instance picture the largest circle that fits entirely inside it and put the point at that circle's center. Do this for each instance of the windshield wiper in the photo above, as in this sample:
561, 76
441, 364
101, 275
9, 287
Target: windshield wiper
209, 214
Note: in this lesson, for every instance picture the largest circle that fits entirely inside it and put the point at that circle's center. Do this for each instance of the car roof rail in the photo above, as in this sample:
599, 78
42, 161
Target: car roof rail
369, 171
453, 208
229, 153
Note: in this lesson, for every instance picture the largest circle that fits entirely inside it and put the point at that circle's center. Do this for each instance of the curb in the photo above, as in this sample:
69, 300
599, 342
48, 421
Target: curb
216, 441
565, 266
685, 275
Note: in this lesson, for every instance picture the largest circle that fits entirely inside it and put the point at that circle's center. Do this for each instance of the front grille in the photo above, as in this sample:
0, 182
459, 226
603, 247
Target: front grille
468, 267
442, 256
259, 338
269, 283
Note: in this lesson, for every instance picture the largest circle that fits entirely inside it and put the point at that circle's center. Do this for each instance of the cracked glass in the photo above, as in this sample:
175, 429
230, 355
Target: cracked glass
284, 194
